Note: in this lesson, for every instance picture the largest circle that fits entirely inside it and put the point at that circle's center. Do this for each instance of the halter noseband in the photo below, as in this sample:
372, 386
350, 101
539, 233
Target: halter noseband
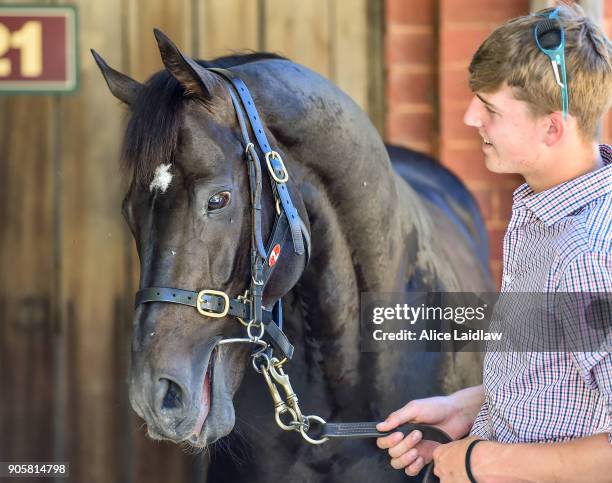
248, 308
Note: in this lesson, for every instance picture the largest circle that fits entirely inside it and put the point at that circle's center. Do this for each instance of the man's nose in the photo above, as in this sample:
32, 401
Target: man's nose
472, 114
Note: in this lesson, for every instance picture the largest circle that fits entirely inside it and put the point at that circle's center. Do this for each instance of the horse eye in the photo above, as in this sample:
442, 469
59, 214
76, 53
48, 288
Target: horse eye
219, 200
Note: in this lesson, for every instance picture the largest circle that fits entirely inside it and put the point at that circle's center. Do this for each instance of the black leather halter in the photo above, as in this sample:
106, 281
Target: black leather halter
248, 308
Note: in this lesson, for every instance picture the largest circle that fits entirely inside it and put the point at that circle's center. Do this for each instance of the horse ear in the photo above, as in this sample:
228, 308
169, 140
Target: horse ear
121, 86
194, 78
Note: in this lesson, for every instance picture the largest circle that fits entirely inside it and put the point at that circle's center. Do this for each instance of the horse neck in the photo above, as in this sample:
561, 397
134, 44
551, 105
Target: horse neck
334, 152
324, 320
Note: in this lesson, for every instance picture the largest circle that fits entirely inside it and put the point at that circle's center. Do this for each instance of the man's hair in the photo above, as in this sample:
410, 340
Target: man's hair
510, 55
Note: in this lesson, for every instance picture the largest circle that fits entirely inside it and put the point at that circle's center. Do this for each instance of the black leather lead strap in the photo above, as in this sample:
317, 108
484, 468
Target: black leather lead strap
368, 430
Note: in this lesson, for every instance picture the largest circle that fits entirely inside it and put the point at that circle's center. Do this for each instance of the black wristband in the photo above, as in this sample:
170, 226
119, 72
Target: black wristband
468, 453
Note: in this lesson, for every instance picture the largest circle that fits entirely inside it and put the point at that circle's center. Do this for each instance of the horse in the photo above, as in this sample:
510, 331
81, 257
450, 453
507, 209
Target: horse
372, 219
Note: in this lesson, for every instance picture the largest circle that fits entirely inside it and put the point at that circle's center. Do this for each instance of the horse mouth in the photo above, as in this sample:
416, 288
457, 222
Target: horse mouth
205, 401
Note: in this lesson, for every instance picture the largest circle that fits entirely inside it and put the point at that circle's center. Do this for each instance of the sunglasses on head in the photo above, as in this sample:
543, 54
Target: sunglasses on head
550, 39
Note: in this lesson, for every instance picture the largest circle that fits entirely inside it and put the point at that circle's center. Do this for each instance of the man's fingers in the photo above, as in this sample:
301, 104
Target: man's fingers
405, 459
389, 441
405, 444
426, 449
436, 452
422, 451
398, 417
388, 424
415, 467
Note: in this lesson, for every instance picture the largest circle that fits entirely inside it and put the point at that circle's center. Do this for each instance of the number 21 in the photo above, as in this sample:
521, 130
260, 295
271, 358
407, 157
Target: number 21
28, 40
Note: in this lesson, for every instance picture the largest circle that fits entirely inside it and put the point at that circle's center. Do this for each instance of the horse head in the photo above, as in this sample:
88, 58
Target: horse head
190, 209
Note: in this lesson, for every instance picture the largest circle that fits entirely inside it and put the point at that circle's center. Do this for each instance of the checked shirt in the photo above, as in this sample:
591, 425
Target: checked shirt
558, 240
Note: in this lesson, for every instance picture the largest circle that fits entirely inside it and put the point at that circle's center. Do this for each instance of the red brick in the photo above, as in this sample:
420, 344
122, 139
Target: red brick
490, 10
505, 204
410, 127
460, 44
496, 267
407, 87
484, 196
452, 126
496, 243
454, 86
409, 48
413, 12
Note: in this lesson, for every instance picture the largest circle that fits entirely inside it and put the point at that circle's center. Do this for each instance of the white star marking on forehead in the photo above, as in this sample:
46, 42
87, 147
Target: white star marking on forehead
162, 178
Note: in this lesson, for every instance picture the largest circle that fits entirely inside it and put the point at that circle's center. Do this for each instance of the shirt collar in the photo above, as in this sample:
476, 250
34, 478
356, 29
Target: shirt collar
553, 204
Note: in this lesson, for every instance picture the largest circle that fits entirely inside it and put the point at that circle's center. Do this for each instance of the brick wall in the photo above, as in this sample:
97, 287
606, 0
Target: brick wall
411, 61
428, 46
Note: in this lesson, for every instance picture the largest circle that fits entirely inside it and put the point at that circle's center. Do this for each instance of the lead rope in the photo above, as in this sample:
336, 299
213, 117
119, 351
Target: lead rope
274, 375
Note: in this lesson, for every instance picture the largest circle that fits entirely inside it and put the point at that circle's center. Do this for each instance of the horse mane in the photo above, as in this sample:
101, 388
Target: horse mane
151, 135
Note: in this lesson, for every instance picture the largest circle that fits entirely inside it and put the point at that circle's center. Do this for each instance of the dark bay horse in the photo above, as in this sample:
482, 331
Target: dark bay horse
375, 225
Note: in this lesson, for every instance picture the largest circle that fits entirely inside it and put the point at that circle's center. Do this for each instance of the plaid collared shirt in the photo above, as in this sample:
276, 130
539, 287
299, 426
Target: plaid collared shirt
558, 240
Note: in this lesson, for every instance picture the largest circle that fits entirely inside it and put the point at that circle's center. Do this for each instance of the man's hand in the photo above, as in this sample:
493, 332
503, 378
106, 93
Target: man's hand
411, 452
449, 461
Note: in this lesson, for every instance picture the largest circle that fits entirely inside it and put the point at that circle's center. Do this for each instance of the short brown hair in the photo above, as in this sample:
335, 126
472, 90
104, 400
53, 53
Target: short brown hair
510, 55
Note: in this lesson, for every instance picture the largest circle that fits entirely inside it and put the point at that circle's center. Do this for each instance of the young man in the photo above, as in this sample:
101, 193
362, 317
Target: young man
543, 416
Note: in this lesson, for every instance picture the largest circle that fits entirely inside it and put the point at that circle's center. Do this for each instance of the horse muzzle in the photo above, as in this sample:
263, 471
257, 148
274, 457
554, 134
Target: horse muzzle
185, 404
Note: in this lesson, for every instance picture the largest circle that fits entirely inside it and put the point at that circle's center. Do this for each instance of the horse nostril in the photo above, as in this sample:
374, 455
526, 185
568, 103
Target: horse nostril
173, 397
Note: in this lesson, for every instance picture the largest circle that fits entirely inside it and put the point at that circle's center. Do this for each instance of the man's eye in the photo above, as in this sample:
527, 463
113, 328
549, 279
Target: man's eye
219, 200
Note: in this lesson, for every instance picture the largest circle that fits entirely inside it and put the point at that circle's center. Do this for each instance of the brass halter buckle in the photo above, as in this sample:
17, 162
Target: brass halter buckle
285, 175
208, 313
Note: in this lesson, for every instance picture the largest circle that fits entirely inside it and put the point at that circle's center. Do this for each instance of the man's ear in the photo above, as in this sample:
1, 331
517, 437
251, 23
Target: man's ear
121, 86
556, 128
194, 78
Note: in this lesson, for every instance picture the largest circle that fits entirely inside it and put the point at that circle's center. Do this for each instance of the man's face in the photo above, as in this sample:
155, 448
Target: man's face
512, 136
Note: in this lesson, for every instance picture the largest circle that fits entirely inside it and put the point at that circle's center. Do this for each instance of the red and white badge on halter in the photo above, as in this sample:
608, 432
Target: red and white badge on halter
274, 255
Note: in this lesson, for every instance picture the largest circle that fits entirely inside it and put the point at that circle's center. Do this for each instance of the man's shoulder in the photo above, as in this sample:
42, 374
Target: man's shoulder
584, 247
589, 229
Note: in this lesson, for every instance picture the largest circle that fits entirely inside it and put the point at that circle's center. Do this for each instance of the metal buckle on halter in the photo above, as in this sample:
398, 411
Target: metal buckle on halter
285, 175
208, 313
245, 300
